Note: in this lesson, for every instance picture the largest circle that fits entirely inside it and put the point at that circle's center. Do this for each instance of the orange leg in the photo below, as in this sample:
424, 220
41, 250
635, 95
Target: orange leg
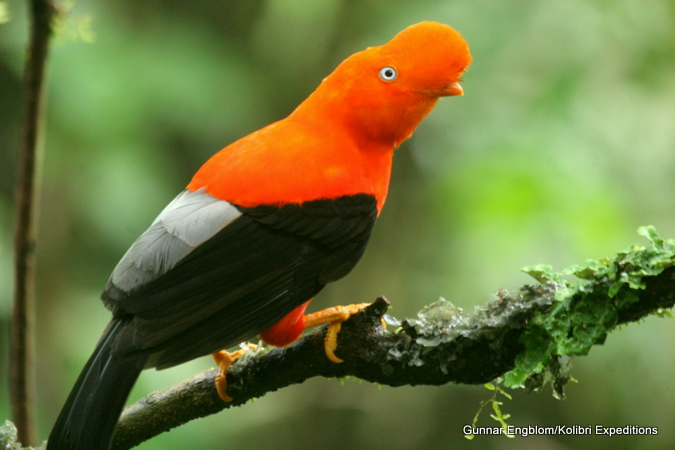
225, 359
288, 330
335, 316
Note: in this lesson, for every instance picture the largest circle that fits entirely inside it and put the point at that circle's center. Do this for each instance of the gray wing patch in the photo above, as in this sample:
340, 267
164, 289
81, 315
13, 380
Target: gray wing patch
191, 219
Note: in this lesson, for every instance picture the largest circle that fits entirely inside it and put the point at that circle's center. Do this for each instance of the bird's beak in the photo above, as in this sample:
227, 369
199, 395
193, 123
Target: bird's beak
452, 89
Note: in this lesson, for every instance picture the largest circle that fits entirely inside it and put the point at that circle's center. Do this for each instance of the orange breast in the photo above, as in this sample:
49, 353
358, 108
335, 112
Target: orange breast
291, 162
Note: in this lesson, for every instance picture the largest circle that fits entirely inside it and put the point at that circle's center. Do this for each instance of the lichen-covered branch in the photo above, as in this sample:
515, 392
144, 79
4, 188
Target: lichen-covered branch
522, 339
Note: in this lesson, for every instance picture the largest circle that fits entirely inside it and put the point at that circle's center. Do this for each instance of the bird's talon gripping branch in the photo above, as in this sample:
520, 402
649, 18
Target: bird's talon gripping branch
335, 316
330, 342
225, 359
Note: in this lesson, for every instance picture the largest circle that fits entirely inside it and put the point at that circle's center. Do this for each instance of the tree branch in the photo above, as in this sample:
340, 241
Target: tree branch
21, 335
441, 345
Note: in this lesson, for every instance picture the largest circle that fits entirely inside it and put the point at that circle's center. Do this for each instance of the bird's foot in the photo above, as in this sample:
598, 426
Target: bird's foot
335, 316
225, 359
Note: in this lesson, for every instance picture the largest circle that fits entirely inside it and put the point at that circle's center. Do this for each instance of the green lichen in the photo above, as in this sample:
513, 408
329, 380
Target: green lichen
545, 325
442, 323
498, 416
8, 437
585, 310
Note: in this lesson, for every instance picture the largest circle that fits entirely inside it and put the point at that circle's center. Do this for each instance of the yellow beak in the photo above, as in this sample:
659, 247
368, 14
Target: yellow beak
452, 89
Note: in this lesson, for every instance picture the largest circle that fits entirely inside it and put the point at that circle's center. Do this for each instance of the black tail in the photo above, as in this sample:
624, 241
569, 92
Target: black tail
88, 418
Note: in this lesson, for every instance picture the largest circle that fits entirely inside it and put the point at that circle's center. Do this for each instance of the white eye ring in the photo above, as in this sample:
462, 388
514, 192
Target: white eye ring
388, 73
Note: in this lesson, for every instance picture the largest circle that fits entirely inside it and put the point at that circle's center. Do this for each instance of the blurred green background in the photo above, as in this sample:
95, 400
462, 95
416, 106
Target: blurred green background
562, 146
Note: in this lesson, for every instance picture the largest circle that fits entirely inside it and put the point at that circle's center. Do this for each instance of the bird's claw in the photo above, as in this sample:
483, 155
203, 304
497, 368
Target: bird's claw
225, 359
334, 316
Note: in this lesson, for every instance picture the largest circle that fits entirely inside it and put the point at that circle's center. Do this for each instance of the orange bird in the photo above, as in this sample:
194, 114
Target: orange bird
262, 227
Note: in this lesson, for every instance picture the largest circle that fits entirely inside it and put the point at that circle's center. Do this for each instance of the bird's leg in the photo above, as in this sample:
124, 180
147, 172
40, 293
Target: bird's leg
225, 359
335, 316
286, 331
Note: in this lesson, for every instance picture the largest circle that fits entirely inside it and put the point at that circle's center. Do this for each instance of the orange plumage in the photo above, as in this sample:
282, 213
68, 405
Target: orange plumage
340, 140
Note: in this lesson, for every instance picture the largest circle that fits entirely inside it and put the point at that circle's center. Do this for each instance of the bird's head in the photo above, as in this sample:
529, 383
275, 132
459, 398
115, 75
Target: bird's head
384, 92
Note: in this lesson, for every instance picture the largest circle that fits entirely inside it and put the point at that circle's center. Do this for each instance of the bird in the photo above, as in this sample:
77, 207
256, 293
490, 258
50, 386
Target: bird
262, 227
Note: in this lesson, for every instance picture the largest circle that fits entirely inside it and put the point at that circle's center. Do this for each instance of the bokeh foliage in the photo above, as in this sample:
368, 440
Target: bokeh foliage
563, 145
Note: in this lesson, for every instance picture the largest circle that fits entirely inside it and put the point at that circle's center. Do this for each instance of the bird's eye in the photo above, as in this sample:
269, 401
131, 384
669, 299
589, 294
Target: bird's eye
388, 73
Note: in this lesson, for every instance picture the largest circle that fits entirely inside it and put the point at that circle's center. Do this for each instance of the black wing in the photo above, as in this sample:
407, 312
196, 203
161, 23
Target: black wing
191, 290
